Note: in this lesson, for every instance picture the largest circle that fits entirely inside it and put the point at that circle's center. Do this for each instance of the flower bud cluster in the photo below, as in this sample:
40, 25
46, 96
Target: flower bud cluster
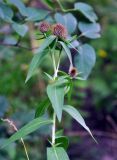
57, 29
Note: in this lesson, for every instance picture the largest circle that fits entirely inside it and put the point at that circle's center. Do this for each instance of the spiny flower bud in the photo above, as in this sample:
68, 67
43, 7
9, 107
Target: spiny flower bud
73, 72
59, 30
44, 27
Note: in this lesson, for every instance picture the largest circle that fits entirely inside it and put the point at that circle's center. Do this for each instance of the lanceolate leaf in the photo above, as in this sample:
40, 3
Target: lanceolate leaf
56, 153
67, 50
86, 10
55, 93
40, 53
27, 129
90, 30
42, 108
77, 116
85, 60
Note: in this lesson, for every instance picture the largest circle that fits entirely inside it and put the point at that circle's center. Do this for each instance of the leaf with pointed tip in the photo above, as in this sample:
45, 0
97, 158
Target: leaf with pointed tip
55, 93
77, 116
85, 60
27, 129
67, 50
90, 30
40, 53
86, 10
56, 153
49, 76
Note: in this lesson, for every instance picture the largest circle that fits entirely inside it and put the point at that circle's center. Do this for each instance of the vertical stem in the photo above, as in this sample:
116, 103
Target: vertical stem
54, 115
56, 67
54, 129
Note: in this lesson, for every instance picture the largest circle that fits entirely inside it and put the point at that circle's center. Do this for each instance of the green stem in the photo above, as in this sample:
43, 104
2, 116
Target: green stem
56, 67
63, 9
54, 129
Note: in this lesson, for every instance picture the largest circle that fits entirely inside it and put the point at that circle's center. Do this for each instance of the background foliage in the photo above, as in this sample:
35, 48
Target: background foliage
96, 98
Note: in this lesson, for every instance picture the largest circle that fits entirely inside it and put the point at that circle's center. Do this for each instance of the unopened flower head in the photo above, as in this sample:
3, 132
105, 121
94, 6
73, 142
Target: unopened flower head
44, 27
59, 30
73, 72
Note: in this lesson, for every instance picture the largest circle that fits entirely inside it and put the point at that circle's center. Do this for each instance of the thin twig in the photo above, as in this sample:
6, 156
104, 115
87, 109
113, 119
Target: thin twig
17, 46
15, 129
96, 133
112, 122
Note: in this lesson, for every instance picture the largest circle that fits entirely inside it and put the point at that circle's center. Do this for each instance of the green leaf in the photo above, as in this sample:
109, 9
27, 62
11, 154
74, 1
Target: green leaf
62, 141
21, 29
86, 10
59, 133
77, 116
48, 75
49, 3
85, 60
42, 108
6, 13
56, 153
27, 129
55, 93
34, 14
67, 50
90, 30
68, 20
20, 5
41, 52
46, 43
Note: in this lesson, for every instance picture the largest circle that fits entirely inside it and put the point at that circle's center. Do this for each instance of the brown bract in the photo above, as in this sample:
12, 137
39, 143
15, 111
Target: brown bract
44, 27
59, 30
73, 72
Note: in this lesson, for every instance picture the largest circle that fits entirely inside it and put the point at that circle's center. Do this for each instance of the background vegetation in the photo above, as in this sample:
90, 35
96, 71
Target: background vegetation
96, 98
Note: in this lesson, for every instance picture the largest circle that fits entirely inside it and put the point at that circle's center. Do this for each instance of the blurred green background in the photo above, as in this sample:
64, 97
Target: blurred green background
96, 98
